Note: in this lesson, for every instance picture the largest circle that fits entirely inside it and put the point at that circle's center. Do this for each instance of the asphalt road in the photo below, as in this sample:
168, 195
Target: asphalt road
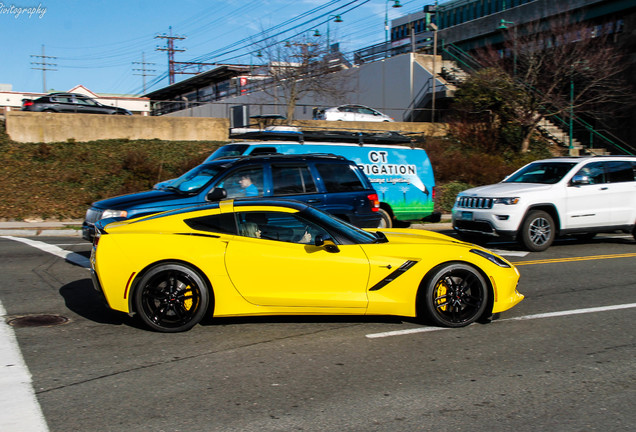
554, 362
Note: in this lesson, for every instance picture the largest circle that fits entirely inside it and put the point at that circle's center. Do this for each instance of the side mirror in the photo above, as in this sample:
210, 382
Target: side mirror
578, 180
327, 243
216, 194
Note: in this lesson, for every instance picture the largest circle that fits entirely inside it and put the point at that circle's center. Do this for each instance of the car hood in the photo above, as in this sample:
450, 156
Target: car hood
416, 236
505, 189
149, 199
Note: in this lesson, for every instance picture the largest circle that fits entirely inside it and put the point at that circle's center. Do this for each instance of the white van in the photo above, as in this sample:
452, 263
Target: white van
401, 174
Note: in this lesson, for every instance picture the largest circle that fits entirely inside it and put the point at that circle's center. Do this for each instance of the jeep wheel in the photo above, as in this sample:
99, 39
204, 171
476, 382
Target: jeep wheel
537, 231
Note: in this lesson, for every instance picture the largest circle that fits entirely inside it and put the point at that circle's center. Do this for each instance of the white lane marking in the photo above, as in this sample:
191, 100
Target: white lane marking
20, 408
69, 256
521, 318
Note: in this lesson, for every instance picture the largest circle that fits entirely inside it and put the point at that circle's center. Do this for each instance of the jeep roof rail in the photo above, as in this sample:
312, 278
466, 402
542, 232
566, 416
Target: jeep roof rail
281, 156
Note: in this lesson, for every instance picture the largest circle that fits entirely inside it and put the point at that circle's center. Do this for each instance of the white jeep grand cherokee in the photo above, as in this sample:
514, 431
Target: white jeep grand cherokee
552, 197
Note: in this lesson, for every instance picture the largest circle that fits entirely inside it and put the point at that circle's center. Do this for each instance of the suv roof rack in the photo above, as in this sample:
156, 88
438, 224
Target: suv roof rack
282, 156
335, 136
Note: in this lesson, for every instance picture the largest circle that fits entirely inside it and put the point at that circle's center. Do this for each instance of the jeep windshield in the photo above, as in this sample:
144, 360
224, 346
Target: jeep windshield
194, 180
541, 172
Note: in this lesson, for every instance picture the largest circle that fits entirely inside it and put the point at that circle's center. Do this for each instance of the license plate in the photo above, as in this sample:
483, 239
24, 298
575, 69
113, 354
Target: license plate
467, 216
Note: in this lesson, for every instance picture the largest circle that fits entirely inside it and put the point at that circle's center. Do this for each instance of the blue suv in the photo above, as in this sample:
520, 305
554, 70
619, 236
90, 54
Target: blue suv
331, 183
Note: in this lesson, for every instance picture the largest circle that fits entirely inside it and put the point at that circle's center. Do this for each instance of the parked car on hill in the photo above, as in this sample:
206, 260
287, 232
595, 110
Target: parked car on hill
331, 183
572, 195
277, 257
351, 113
70, 103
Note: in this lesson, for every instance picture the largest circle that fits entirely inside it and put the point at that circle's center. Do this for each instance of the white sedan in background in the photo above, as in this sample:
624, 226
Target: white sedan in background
351, 113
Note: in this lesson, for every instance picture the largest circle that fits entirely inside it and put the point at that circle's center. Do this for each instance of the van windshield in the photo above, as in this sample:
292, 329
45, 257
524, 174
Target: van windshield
228, 150
195, 179
541, 172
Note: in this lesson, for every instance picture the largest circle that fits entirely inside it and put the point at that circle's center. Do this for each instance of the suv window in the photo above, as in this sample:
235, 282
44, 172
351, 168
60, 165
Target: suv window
292, 179
594, 171
244, 182
620, 171
339, 178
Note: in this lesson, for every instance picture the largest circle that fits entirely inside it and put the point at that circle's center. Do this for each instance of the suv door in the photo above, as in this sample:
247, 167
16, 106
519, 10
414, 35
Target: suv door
345, 191
589, 205
622, 191
243, 182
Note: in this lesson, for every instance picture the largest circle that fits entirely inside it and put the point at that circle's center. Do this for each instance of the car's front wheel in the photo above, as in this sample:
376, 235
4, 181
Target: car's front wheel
455, 295
171, 298
537, 231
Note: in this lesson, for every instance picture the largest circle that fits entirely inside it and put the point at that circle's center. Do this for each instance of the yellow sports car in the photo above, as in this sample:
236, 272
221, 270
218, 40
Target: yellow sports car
276, 257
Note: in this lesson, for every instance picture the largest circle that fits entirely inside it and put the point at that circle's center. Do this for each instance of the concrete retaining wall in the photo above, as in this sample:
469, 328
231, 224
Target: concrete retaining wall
53, 127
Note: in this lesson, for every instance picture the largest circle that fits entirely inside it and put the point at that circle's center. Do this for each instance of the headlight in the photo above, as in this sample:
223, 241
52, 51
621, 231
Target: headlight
114, 213
490, 257
507, 201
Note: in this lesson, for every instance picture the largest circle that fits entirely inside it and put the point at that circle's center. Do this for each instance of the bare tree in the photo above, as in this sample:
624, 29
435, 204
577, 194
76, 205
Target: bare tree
301, 67
560, 68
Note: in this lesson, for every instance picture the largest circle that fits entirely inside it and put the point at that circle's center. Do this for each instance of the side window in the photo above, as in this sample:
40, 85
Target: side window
292, 179
222, 223
595, 171
246, 182
340, 177
620, 171
279, 226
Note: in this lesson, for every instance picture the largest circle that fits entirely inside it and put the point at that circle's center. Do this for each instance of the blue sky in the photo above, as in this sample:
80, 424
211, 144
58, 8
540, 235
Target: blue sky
95, 42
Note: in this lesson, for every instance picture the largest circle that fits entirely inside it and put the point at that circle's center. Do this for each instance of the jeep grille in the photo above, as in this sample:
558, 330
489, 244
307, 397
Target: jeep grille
475, 202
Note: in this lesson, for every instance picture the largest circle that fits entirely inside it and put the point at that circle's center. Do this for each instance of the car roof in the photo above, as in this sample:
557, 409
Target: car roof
579, 159
68, 94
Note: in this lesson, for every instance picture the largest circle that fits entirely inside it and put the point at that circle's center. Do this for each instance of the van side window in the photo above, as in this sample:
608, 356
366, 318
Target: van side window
292, 179
339, 178
620, 171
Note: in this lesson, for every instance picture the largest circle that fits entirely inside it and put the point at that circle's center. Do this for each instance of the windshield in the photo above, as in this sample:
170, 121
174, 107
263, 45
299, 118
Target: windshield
228, 150
195, 179
353, 234
541, 172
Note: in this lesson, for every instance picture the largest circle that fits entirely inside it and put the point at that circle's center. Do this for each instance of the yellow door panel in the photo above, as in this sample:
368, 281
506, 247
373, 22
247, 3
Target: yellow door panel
274, 273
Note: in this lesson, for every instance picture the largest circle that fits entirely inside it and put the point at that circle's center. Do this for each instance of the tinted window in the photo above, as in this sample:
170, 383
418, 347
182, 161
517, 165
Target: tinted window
195, 179
289, 180
541, 172
287, 227
595, 172
244, 182
228, 150
221, 223
340, 178
620, 171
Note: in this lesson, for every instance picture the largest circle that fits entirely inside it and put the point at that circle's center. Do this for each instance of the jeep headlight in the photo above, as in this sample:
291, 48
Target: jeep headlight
507, 201
114, 213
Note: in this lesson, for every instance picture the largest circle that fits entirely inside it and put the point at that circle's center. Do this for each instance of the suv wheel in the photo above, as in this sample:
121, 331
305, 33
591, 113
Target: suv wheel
537, 231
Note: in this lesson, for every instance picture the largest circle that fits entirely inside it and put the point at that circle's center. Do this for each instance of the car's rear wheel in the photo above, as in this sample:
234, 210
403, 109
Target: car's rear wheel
386, 221
537, 231
454, 296
171, 298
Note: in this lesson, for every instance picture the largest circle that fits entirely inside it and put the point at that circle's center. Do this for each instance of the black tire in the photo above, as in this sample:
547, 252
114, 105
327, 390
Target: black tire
171, 298
455, 295
386, 221
537, 231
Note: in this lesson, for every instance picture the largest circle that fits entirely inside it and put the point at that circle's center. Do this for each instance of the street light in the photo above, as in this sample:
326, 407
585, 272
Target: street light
337, 19
503, 25
396, 4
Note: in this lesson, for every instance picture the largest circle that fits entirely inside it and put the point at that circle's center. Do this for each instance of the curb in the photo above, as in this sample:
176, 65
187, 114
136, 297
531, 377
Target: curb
39, 232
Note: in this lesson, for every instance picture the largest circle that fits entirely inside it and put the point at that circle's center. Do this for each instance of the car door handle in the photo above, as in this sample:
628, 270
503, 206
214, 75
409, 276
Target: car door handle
604, 188
311, 201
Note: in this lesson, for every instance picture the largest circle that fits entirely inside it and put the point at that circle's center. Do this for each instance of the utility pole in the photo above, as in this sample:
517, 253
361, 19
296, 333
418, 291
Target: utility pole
170, 48
143, 69
43, 66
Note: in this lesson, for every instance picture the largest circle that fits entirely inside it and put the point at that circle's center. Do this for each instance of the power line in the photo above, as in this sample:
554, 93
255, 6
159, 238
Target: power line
170, 48
143, 69
43, 66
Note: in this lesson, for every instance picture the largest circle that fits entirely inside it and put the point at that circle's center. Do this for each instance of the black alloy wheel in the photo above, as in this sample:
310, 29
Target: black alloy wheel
171, 298
455, 296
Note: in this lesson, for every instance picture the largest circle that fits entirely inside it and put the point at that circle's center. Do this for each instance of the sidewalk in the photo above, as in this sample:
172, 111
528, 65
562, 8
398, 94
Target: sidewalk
33, 228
